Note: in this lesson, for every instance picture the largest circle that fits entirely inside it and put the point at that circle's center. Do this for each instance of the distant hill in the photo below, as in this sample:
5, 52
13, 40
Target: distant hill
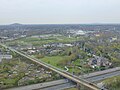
16, 24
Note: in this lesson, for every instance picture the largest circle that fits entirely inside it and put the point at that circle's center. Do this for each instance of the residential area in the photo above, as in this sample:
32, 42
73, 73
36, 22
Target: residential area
18, 71
79, 51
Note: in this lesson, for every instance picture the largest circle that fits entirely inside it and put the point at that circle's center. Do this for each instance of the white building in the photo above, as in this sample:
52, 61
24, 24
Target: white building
80, 32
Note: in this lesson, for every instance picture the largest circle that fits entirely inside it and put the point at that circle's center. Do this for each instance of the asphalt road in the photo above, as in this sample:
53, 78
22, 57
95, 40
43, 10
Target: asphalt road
60, 87
100, 72
53, 85
104, 76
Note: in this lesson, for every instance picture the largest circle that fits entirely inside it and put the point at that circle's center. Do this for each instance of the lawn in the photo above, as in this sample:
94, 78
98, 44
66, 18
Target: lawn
77, 62
75, 70
53, 60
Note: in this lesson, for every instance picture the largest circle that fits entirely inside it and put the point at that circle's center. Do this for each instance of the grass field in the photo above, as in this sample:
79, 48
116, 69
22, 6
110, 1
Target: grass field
54, 60
39, 41
35, 41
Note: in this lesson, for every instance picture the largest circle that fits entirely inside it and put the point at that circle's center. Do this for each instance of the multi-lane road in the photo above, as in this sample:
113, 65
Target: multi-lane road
52, 85
101, 77
89, 75
57, 70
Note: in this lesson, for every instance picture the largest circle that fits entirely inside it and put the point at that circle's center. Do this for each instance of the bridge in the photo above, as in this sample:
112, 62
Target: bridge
77, 80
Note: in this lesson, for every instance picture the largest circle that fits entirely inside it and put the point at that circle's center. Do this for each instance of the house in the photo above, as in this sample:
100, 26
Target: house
7, 57
54, 52
68, 45
31, 51
98, 61
111, 39
60, 45
46, 45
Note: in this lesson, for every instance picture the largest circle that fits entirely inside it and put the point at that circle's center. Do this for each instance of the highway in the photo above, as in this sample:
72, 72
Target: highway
52, 85
63, 73
104, 76
101, 75
100, 72
59, 87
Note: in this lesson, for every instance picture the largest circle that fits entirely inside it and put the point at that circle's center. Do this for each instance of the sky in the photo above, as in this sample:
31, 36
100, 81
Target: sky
59, 11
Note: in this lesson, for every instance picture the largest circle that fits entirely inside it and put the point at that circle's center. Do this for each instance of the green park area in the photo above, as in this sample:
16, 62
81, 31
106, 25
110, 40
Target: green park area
37, 41
54, 60
60, 62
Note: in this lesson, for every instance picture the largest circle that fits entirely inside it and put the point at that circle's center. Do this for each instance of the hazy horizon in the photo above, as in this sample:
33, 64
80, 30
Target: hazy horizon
59, 11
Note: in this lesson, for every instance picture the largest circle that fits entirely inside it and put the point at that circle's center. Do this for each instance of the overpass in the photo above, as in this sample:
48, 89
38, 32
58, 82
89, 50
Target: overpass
63, 73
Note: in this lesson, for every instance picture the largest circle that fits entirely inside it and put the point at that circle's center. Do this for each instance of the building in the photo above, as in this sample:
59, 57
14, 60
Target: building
98, 61
80, 32
8, 57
